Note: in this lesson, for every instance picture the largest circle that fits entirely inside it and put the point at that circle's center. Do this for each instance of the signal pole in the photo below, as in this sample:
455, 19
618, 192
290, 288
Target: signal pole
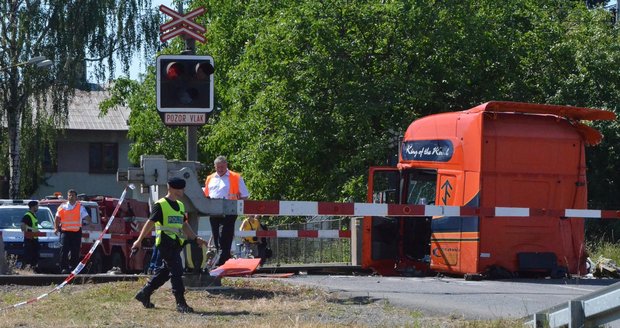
191, 147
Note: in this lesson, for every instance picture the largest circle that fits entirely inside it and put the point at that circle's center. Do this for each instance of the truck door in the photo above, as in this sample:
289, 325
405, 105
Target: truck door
379, 241
392, 244
420, 187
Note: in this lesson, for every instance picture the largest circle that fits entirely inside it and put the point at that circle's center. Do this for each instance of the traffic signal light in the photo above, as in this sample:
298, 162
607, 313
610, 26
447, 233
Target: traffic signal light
185, 83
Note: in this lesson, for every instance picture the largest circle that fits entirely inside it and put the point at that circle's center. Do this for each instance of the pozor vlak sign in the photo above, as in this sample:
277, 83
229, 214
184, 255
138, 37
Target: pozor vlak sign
184, 88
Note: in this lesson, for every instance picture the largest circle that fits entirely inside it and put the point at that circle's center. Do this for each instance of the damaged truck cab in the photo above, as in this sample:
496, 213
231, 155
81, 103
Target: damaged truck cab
498, 154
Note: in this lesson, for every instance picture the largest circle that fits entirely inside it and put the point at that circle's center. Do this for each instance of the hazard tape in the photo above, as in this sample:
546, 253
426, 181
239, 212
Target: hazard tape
303, 208
82, 263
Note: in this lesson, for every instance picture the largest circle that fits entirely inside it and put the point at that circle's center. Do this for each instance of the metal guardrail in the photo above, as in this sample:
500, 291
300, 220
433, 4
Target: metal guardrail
591, 310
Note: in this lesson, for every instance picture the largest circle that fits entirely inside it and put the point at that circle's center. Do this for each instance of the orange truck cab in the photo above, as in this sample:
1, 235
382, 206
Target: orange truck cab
498, 154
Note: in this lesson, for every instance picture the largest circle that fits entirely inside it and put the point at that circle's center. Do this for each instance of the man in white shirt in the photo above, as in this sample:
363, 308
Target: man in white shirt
224, 184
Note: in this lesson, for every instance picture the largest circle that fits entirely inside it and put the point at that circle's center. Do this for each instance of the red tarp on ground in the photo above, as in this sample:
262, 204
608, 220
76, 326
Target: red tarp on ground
235, 268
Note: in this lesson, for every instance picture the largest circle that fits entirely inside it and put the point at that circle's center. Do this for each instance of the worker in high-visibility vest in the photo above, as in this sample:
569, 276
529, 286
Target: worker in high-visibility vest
172, 232
257, 245
30, 227
68, 222
224, 184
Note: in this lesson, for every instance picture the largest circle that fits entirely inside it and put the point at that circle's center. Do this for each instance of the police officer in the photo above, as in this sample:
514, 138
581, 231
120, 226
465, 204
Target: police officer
31, 241
171, 229
68, 222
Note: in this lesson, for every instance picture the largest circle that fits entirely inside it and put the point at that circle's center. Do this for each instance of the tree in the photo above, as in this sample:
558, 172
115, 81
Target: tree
70, 33
595, 3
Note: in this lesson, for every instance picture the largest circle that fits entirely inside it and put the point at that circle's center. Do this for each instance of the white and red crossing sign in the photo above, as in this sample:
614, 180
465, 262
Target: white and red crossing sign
182, 24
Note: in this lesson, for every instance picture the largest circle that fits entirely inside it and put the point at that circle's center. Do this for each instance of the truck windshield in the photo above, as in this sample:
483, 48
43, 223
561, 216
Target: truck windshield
421, 187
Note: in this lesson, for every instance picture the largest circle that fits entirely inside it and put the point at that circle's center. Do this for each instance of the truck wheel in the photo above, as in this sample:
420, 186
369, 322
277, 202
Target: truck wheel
95, 264
118, 261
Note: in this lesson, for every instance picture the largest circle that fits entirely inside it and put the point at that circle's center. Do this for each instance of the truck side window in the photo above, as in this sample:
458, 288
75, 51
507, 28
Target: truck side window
94, 214
386, 187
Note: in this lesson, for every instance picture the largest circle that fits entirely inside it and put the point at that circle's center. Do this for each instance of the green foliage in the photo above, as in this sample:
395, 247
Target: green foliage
603, 249
38, 139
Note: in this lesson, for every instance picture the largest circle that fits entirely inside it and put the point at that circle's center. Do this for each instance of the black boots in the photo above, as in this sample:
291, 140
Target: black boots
182, 304
144, 297
184, 308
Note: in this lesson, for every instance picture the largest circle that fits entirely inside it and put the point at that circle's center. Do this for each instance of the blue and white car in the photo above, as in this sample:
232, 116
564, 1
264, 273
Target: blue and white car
11, 214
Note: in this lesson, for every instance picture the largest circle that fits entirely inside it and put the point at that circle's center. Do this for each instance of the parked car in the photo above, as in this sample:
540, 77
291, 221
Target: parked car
11, 214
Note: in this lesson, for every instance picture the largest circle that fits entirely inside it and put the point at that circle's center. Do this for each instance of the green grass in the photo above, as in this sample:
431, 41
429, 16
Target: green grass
606, 250
247, 303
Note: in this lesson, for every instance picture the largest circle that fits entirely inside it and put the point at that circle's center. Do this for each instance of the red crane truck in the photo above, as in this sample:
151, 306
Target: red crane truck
115, 248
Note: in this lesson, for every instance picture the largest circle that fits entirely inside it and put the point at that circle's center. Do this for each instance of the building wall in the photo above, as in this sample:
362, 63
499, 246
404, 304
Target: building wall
73, 165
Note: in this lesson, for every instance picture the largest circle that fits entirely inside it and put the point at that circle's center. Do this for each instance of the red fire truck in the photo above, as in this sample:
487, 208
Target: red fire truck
115, 248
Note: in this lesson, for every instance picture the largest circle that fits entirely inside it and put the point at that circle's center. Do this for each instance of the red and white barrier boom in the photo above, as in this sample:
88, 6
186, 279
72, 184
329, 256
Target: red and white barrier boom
303, 208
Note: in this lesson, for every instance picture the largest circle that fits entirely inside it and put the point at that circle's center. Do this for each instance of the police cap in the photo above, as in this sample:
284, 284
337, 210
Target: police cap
176, 183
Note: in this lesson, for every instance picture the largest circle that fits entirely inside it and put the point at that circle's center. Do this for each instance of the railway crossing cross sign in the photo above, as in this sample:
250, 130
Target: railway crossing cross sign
182, 24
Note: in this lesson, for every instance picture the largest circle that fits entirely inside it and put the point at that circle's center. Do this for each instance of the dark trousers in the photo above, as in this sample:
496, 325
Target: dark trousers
70, 249
31, 252
171, 268
223, 240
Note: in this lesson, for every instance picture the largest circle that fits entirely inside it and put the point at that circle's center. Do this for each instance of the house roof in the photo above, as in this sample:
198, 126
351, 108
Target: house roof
84, 113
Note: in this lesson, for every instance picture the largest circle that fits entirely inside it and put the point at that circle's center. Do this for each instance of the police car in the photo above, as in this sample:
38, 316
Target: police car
11, 214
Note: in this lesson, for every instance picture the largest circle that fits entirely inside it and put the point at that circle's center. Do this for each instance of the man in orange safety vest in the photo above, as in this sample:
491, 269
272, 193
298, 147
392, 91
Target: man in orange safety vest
68, 222
224, 184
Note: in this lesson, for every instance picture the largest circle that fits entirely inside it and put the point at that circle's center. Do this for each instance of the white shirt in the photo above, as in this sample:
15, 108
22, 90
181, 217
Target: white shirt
67, 206
219, 186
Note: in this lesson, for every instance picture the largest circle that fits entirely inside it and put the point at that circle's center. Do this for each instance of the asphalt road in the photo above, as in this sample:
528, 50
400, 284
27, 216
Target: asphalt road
488, 299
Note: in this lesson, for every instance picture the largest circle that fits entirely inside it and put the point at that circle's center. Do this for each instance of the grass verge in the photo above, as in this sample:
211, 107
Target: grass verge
246, 302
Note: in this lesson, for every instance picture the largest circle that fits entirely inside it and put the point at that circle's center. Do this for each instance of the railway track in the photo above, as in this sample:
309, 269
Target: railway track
48, 279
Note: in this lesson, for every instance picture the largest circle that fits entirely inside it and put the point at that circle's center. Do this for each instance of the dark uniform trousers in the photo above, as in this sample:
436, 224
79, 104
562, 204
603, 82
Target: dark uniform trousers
224, 239
171, 268
31, 251
71, 242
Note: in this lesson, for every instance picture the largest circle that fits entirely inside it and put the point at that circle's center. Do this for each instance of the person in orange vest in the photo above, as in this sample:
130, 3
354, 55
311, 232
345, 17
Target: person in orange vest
224, 184
68, 222
30, 226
